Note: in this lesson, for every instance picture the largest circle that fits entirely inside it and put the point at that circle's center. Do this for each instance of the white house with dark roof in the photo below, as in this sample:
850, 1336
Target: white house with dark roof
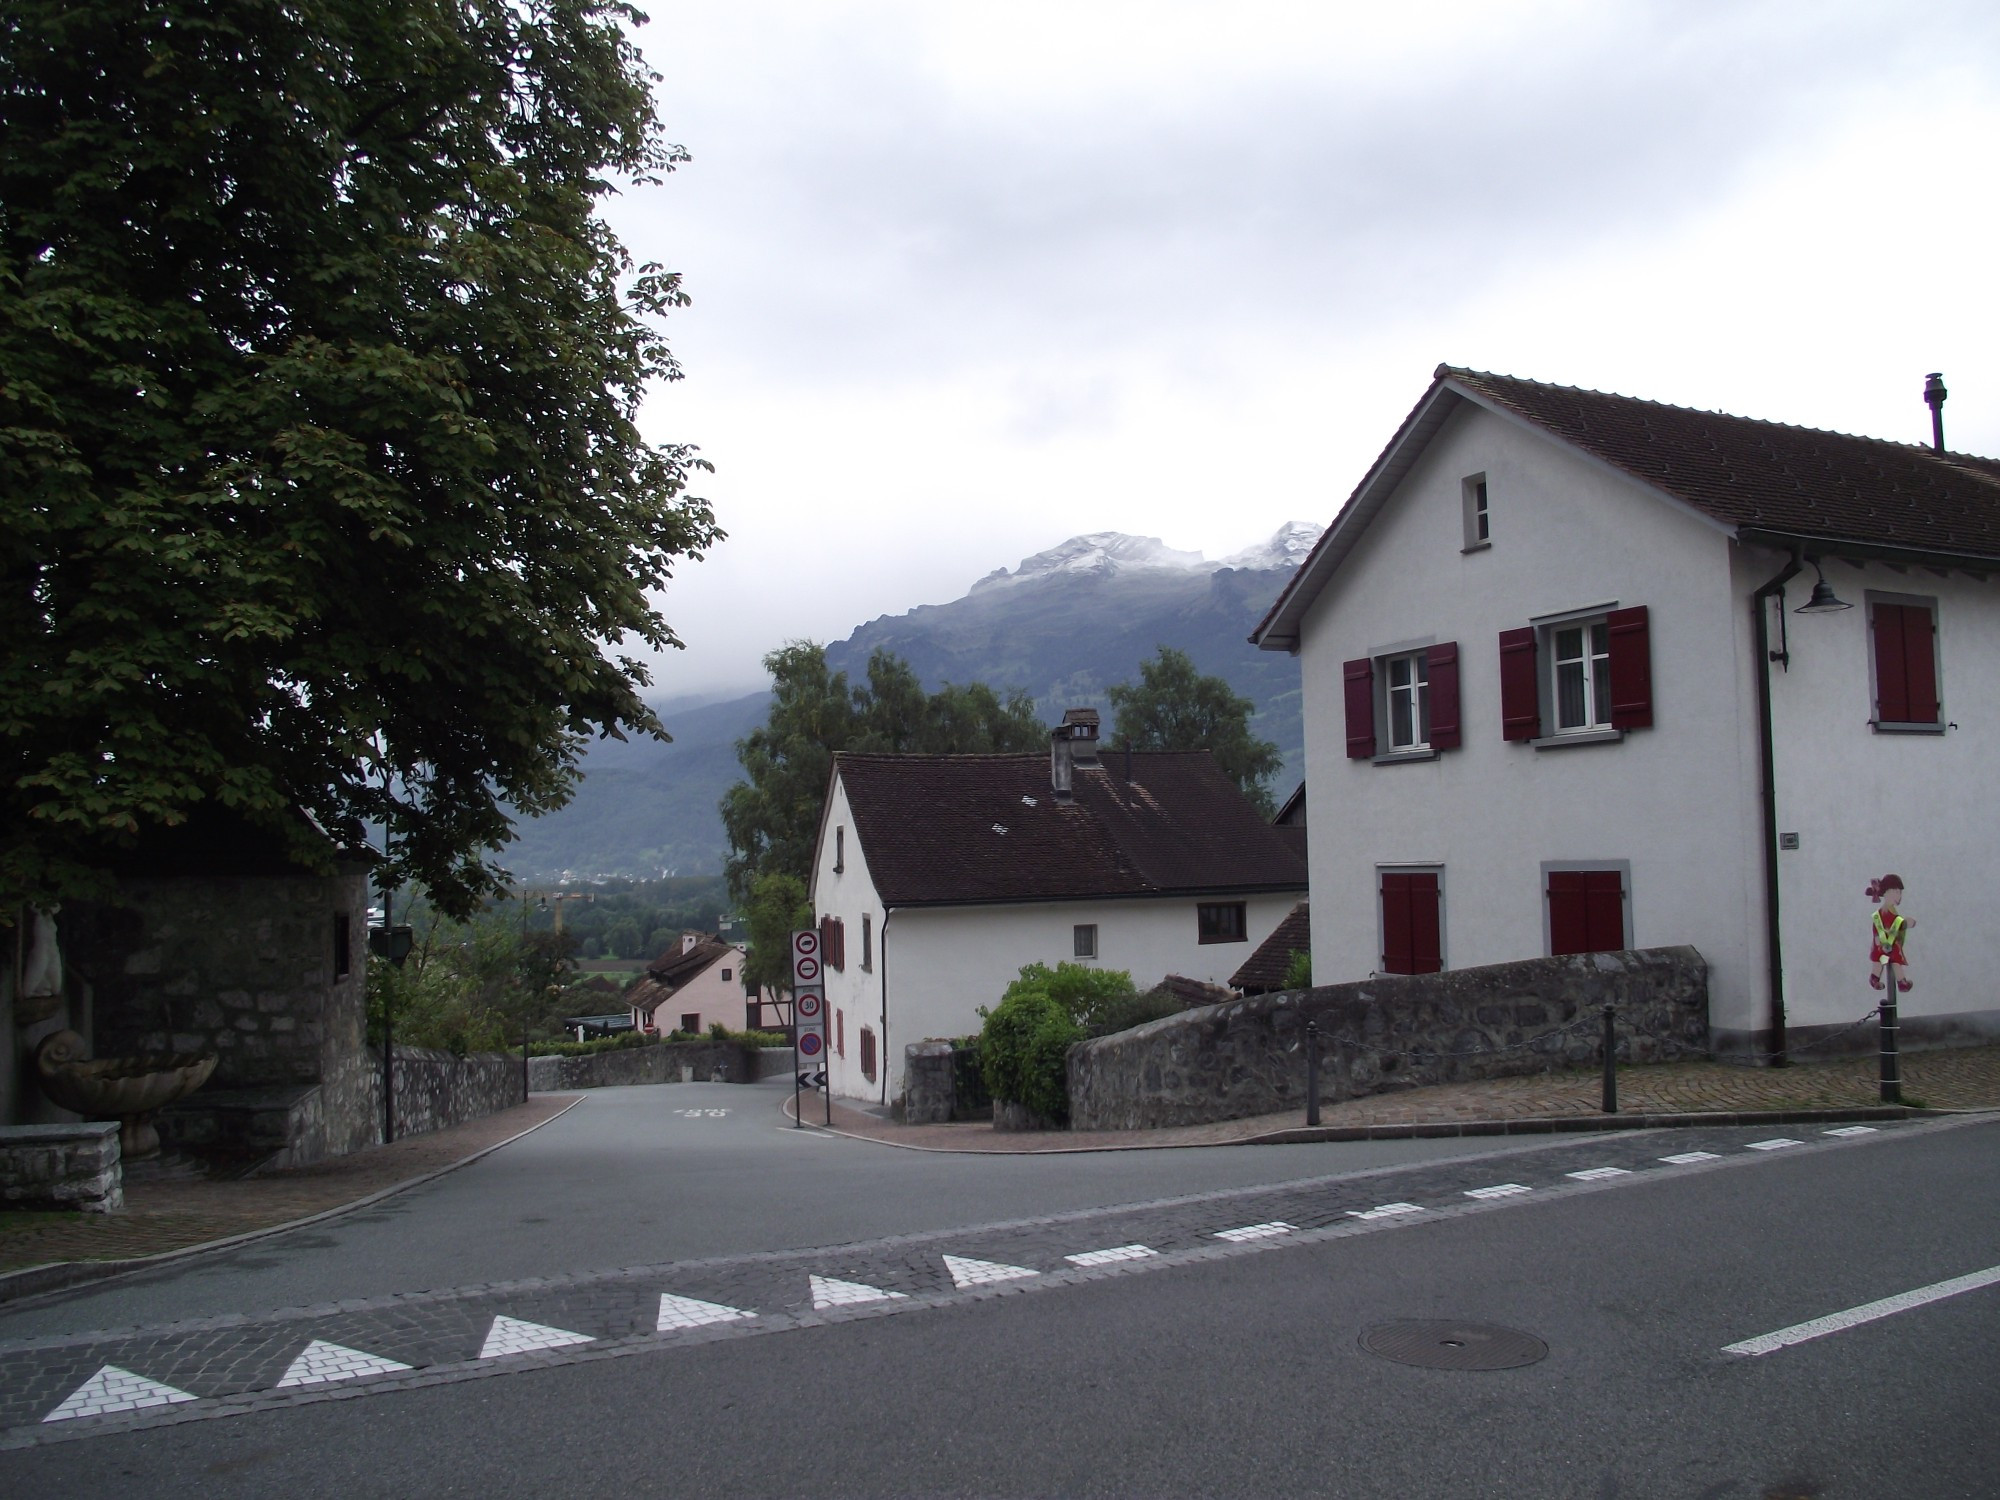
937, 877
691, 987
1571, 684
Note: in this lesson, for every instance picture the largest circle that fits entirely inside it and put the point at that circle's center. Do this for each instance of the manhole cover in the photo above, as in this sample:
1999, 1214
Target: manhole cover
1454, 1346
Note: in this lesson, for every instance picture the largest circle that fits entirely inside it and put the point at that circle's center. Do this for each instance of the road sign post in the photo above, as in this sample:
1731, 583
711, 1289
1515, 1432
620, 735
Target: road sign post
808, 1021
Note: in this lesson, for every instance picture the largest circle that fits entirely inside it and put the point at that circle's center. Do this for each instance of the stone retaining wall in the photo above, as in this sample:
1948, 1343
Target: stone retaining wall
61, 1166
665, 1062
1247, 1057
942, 1081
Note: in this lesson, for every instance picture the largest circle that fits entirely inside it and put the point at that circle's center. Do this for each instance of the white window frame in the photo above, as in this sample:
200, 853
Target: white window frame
1083, 940
1477, 496
1596, 697
1416, 692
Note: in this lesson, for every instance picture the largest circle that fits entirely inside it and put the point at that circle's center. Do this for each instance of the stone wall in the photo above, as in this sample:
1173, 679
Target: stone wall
1247, 1057
61, 1166
942, 1082
664, 1062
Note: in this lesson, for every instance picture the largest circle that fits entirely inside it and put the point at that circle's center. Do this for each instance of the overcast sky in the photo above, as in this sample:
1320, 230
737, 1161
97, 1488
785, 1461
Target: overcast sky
972, 279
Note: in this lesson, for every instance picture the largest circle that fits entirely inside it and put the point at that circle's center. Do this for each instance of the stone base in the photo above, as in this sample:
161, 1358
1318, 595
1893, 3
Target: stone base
62, 1166
1009, 1116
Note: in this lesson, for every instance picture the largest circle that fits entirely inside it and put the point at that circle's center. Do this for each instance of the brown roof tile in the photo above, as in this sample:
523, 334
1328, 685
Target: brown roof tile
1265, 969
930, 829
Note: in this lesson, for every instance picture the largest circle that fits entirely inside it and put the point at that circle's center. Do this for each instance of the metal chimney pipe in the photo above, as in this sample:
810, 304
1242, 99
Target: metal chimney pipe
1934, 394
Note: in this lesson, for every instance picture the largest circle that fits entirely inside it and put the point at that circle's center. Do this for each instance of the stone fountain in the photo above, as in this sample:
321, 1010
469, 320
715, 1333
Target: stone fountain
131, 1089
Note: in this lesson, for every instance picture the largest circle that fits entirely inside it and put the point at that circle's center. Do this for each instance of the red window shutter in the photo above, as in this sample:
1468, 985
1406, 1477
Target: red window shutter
832, 943
1920, 663
1892, 681
1398, 948
1604, 910
1569, 929
1426, 947
1359, 679
1520, 694
1631, 668
1443, 663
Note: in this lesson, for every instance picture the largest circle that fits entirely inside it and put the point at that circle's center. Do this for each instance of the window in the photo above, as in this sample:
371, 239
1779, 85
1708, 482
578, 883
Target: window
1417, 703
727, 975
691, 1023
1586, 910
1903, 641
1578, 678
1412, 925
839, 850
343, 945
1084, 943
868, 941
833, 943
753, 1016
1478, 528
868, 1054
1220, 922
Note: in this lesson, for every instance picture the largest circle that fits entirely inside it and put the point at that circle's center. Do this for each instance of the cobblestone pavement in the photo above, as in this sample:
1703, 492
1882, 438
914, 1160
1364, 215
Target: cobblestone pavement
171, 1215
67, 1386
1951, 1078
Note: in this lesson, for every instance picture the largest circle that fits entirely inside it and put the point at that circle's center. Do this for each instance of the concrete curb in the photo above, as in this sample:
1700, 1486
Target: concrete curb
60, 1275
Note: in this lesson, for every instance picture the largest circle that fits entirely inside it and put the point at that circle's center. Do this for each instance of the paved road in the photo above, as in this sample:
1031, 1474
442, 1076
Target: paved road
1213, 1366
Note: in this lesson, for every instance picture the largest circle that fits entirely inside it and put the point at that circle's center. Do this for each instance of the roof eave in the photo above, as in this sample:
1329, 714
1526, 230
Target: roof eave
1260, 888
1824, 546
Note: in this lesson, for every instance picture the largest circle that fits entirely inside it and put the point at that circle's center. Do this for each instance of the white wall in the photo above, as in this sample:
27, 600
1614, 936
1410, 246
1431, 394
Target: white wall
940, 964
1866, 803
708, 996
1678, 801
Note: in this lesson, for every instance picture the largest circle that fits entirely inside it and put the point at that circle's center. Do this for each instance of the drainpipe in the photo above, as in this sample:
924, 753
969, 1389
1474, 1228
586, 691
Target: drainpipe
1773, 935
882, 945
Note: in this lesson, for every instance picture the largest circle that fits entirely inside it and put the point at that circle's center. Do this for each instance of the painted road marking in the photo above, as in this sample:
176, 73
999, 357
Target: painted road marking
112, 1389
966, 1271
1777, 1144
1106, 1257
702, 1114
687, 1312
1499, 1190
1384, 1211
513, 1336
827, 1292
1689, 1158
1868, 1312
1598, 1174
1853, 1130
320, 1362
1254, 1231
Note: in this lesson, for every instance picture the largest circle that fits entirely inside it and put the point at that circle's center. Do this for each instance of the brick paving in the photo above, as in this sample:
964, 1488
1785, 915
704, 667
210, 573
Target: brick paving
162, 1216
1957, 1078
57, 1387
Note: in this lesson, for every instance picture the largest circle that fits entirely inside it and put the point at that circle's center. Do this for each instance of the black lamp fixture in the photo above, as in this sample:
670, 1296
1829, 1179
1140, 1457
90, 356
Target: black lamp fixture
1823, 601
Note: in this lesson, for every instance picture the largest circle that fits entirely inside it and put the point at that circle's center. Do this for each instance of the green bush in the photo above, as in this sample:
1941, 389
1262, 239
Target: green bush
1298, 971
621, 1042
1026, 1039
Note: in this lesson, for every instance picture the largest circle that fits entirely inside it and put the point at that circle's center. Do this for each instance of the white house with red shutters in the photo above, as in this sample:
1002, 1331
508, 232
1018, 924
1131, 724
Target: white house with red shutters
1571, 684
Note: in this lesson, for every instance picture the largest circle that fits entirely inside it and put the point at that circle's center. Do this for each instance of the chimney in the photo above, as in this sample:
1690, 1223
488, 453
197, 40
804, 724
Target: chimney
1082, 726
1934, 394
1060, 763
688, 940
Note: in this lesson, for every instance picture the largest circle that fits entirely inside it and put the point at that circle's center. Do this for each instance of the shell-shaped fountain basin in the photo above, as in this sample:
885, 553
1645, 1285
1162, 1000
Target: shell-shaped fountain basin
129, 1088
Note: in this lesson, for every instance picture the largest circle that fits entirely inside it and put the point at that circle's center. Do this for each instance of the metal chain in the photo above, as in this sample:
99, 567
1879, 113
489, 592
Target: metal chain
1870, 1017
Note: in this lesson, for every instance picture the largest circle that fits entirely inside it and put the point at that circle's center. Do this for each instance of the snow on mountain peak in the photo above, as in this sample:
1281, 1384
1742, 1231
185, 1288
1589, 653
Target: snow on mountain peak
1102, 553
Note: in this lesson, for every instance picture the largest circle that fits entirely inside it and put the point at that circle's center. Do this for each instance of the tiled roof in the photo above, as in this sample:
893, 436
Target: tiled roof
1767, 476
963, 829
1191, 993
675, 968
1265, 969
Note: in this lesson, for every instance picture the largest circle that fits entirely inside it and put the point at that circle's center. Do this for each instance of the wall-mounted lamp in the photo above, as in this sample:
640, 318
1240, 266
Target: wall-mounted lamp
1823, 601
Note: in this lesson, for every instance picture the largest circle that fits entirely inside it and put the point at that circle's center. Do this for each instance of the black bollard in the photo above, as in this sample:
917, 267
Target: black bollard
1312, 1072
1610, 1060
1892, 1066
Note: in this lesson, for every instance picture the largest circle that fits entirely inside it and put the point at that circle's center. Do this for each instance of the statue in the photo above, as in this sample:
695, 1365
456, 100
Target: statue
41, 992
1889, 929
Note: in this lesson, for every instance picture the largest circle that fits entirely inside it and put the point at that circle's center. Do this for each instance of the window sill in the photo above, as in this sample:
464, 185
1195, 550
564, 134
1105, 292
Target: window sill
1205, 942
1579, 737
1891, 726
1403, 757
1475, 547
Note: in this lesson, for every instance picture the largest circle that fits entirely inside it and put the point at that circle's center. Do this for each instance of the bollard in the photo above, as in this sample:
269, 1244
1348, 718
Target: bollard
1312, 1072
1892, 1070
1610, 1060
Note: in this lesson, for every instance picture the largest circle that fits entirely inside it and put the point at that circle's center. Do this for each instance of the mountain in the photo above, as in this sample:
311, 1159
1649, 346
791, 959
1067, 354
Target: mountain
1064, 626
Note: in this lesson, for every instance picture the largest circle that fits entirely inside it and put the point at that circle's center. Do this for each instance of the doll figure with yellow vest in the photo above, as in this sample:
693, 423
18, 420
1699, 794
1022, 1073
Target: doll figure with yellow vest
1890, 930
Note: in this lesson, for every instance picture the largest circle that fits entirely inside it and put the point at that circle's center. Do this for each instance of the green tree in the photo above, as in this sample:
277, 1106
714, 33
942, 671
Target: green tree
772, 815
1173, 707
778, 908
320, 484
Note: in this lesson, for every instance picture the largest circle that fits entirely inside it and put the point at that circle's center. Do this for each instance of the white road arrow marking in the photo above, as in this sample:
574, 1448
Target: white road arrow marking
686, 1312
966, 1272
112, 1389
320, 1362
513, 1336
827, 1292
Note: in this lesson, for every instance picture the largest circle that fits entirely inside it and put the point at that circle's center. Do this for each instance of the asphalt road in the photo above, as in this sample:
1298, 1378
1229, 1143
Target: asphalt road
1243, 1374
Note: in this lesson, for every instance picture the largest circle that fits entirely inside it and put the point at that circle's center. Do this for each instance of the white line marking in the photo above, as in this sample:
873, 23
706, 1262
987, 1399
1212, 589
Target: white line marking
320, 1363
1689, 1158
1106, 1257
1778, 1144
828, 1292
1598, 1174
1868, 1312
516, 1336
112, 1389
1385, 1211
1853, 1130
691, 1312
1254, 1231
966, 1271
1499, 1190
